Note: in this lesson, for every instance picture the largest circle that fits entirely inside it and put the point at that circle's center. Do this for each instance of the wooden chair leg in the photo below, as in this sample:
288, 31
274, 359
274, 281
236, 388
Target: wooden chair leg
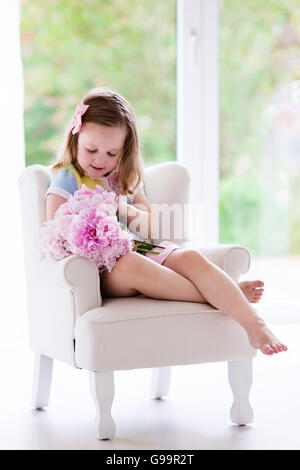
240, 380
161, 377
102, 390
41, 381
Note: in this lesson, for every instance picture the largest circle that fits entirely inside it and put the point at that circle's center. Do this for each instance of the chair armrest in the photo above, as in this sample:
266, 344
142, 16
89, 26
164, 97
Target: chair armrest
77, 274
233, 259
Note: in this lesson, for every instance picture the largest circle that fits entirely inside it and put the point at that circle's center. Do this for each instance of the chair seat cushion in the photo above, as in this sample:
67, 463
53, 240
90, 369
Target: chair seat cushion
140, 332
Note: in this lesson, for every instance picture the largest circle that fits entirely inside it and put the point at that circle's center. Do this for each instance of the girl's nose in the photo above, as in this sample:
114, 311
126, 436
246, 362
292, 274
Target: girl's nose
101, 163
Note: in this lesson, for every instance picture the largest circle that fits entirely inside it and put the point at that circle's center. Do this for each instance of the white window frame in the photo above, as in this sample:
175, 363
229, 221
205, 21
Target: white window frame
198, 111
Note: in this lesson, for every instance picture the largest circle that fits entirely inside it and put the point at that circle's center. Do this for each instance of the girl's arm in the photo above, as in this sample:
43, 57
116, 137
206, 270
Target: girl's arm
138, 215
53, 203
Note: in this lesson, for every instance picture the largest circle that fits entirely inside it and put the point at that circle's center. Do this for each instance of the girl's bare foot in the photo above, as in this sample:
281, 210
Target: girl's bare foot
262, 338
253, 290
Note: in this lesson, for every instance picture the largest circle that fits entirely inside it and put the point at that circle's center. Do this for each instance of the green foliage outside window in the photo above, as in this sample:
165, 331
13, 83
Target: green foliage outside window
257, 60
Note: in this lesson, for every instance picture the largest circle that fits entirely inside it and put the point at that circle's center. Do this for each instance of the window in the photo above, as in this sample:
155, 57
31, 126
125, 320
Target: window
70, 47
260, 138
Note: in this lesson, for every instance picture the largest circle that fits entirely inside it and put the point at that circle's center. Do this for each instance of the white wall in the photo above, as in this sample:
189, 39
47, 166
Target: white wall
13, 300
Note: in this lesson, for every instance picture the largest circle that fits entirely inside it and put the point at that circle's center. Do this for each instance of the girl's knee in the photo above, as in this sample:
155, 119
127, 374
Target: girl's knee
190, 256
129, 262
189, 253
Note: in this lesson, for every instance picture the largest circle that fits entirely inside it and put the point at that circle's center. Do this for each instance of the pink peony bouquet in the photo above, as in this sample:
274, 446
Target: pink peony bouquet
87, 225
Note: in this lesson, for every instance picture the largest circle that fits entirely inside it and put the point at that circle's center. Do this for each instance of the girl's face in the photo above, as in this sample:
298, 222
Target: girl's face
100, 148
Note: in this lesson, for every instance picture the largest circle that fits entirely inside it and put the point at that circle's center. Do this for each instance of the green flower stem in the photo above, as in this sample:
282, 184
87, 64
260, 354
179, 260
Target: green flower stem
148, 251
146, 244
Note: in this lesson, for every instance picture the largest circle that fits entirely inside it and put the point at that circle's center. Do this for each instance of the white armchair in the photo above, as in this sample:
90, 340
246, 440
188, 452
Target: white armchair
69, 321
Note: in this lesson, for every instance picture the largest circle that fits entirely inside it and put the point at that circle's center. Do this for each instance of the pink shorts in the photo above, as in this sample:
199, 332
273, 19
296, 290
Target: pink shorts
164, 252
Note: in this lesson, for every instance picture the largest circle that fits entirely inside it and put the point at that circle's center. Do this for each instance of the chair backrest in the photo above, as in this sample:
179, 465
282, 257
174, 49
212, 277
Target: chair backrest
33, 184
167, 185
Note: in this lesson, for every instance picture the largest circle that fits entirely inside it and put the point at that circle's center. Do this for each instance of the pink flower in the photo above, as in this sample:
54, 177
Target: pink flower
54, 237
86, 225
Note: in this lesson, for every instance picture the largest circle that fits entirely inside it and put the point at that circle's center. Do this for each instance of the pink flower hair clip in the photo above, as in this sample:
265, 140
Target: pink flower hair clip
76, 122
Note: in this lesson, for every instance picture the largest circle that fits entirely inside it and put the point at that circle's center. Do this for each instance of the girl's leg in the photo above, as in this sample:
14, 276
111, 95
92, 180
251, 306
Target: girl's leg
223, 293
135, 274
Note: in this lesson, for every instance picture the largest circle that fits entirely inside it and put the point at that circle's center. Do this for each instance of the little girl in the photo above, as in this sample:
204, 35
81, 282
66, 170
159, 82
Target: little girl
102, 147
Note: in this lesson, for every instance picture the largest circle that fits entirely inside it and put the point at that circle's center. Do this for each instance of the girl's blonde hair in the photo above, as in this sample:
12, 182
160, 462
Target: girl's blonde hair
108, 108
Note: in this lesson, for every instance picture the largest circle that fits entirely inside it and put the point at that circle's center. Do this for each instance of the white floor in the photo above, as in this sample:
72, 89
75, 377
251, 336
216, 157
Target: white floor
195, 415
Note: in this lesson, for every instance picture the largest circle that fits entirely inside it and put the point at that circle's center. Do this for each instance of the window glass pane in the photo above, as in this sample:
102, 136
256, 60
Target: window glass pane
70, 47
260, 134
